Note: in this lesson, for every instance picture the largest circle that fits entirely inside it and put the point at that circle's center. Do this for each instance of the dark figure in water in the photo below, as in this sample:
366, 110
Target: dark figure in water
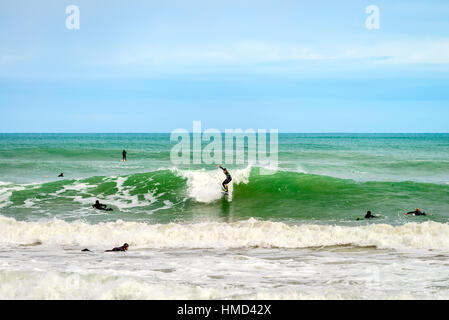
101, 206
417, 212
227, 180
368, 215
86, 250
124, 155
61, 175
122, 248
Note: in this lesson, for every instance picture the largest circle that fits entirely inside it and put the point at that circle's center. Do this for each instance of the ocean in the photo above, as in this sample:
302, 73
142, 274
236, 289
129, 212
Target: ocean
291, 234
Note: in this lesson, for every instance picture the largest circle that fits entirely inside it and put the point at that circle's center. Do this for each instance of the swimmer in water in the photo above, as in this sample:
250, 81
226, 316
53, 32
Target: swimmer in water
368, 215
100, 206
417, 212
122, 248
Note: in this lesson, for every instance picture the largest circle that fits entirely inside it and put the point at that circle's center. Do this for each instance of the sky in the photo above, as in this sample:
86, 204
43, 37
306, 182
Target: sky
155, 66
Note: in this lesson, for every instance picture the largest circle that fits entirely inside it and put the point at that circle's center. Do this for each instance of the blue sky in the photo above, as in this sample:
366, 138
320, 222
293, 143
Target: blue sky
153, 66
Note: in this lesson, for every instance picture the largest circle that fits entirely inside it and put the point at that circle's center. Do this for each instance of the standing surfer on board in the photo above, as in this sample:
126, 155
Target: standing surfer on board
124, 155
227, 180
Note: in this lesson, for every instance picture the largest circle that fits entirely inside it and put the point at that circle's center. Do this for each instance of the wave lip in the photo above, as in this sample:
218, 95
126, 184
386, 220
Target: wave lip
205, 185
246, 233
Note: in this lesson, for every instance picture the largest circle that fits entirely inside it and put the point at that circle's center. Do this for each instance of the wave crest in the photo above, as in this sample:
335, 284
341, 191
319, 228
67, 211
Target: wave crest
247, 233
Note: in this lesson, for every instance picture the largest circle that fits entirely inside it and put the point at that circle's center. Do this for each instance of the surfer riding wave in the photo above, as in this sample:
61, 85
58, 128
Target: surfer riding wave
227, 180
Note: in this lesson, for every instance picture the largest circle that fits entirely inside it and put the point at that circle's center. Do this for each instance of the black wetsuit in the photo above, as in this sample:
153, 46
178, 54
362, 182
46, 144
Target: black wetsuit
369, 216
228, 178
122, 248
417, 213
100, 206
124, 155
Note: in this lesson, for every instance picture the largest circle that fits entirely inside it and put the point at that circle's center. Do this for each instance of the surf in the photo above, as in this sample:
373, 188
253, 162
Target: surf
191, 193
240, 234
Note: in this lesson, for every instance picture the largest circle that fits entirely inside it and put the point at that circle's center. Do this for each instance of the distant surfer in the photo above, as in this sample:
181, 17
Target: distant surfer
417, 212
122, 248
100, 206
124, 155
227, 180
368, 215
61, 175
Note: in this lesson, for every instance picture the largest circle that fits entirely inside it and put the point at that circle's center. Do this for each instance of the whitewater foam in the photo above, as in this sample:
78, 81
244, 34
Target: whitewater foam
6, 192
123, 199
57, 285
205, 185
247, 233
66, 285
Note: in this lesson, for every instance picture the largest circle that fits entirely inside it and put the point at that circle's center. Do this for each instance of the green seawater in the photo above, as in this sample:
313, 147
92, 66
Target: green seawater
322, 178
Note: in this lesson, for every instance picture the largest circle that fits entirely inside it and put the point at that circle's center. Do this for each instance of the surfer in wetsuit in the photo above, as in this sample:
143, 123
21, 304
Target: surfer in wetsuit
61, 175
101, 206
227, 180
368, 215
122, 248
417, 212
124, 155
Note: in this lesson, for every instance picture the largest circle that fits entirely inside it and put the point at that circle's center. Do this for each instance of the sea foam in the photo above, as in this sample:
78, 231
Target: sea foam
57, 285
241, 234
205, 185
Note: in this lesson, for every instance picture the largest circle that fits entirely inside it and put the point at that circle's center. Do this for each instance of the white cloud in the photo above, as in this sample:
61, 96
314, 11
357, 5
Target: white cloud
433, 52
244, 53
236, 53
